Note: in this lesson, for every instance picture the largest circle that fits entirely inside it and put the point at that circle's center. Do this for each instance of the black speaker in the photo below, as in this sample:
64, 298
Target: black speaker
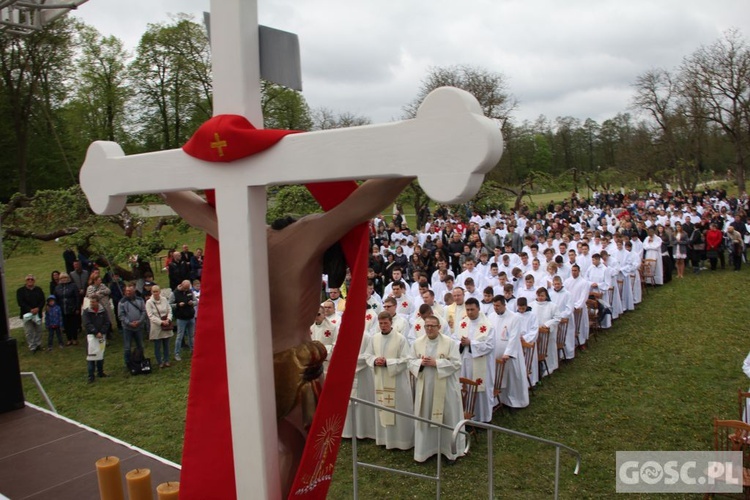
11, 389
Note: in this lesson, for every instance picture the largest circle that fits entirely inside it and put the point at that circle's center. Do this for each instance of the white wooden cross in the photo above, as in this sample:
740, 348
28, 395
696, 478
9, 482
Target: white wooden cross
450, 145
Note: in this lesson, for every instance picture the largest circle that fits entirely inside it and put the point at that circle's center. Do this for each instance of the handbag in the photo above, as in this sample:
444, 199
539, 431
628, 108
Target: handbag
169, 325
139, 364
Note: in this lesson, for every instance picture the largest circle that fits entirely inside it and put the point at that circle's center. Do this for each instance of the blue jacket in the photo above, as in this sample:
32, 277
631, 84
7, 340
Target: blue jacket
53, 317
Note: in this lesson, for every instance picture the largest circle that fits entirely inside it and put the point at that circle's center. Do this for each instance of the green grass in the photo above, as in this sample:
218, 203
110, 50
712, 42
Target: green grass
652, 382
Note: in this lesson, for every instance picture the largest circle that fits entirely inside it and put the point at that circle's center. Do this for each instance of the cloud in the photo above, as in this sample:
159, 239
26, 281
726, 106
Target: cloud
575, 58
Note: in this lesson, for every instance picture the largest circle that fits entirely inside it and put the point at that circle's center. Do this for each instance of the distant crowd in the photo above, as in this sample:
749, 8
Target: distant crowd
500, 298
84, 301
505, 298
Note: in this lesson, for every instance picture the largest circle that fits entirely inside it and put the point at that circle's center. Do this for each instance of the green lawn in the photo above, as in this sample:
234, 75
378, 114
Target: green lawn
653, 382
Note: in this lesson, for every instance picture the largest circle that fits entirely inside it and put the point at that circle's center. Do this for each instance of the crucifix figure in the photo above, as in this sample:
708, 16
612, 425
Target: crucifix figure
449, 146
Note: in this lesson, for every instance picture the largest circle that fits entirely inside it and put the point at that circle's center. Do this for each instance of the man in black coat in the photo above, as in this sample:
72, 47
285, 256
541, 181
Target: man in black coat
31, 300
179, 270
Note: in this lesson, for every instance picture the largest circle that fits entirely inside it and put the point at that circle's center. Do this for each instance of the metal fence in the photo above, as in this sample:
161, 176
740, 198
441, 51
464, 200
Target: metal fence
460, 428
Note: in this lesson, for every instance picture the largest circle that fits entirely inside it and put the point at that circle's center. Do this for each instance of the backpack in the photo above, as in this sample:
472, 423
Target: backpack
138, 364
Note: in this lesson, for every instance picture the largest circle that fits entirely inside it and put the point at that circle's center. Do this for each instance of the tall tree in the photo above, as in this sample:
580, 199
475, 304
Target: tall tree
325, 119
32, 71
96, 110
171, 75
490, 89
284, 108
716, 79
676, 135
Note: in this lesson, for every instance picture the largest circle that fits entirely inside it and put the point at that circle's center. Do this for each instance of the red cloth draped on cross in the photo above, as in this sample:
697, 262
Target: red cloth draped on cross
207, 460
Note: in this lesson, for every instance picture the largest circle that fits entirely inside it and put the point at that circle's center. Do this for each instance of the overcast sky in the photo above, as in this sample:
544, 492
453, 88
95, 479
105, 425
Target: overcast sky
561, 58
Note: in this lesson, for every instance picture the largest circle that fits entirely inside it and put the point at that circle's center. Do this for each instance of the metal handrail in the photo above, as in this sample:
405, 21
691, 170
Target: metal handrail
356, 463
490, 458
33, 376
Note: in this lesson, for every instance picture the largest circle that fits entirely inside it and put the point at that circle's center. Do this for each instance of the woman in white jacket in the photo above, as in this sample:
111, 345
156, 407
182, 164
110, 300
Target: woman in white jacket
160, 317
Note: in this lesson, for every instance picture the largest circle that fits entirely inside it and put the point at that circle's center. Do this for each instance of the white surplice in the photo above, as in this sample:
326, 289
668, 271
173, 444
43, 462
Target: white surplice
363, 387
478, 361
515, 388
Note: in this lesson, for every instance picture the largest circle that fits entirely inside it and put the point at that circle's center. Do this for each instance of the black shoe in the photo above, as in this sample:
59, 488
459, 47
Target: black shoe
103, 375
91, 380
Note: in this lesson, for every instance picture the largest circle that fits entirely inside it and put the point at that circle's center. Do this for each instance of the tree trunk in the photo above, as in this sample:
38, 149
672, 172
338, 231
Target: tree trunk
739, 171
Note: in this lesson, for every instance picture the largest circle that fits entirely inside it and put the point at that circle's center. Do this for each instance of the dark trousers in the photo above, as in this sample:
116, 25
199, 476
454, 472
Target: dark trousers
71, 325
99, 368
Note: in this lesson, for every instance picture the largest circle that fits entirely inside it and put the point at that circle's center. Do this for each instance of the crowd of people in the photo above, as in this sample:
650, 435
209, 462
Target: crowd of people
461, 297
465, 297
84, 301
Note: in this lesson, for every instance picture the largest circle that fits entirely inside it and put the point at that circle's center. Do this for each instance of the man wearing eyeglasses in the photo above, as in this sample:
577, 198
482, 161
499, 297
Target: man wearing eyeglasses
31, 301
436, 363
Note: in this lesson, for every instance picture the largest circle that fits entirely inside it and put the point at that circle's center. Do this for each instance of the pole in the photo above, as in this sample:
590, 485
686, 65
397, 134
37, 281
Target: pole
11, 389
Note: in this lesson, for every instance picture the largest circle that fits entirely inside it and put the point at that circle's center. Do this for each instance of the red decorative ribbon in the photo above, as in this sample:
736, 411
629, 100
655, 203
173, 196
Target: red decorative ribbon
207, 457
319, 458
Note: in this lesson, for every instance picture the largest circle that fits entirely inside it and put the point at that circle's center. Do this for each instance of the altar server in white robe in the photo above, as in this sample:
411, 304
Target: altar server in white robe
615, 304
529, 288
475, 338
548, 317
598, 276
363, 387
579, 290
436, 364
626, 269
529, 326
652, 247
388, 356
636, 273
515, 389
564, 302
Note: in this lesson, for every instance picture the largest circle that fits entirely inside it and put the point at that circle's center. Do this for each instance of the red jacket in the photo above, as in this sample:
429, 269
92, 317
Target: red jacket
714, 238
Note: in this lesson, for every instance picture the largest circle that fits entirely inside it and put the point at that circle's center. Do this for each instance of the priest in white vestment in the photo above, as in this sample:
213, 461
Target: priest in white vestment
436, 364
363, 388
398, 322
418, 329
455, 312
388, 356
514, 391
326, 333
475, 337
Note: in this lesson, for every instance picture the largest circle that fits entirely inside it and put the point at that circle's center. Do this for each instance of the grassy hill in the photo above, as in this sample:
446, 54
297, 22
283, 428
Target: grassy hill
652, 382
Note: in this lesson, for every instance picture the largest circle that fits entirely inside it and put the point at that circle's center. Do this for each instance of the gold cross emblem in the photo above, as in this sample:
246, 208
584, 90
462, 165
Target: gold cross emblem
218, 144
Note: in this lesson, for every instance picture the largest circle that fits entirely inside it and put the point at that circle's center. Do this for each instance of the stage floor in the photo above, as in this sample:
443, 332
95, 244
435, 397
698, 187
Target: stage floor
46, 456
